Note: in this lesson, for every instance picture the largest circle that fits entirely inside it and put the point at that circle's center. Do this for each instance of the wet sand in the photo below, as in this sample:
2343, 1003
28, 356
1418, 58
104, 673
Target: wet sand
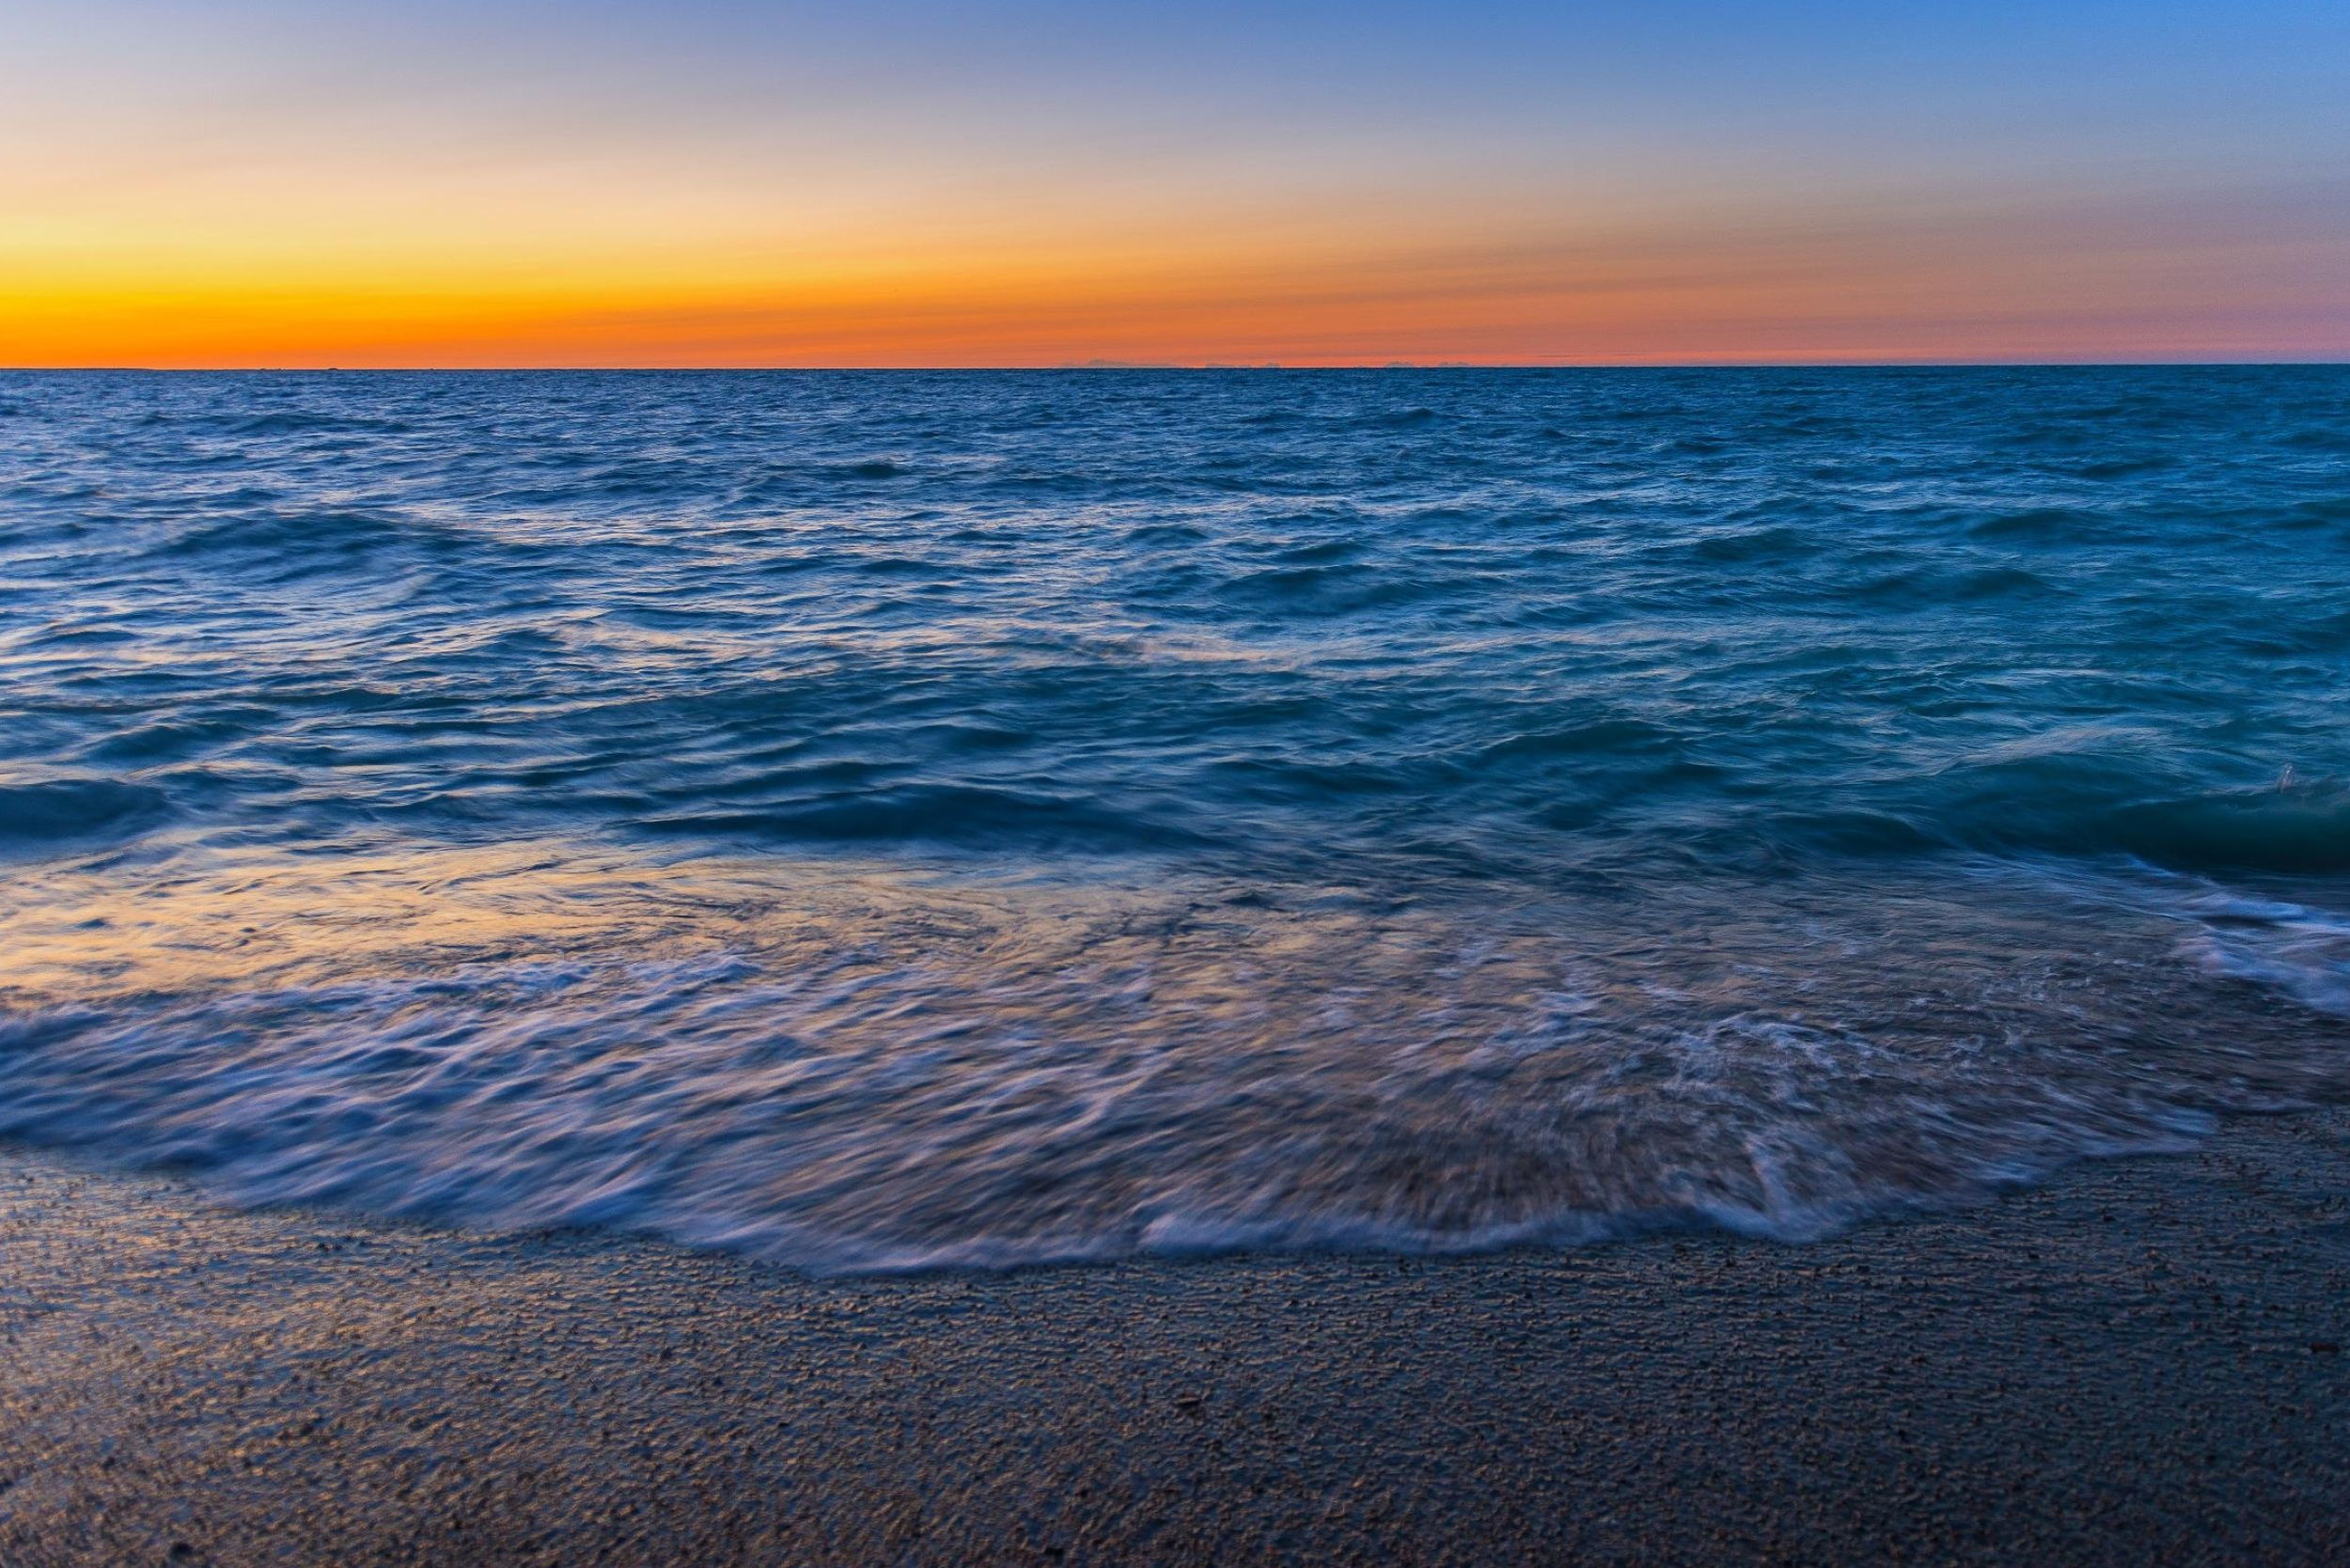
2142, 1361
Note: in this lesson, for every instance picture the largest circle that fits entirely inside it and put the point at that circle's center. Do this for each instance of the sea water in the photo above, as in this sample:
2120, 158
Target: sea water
877, 820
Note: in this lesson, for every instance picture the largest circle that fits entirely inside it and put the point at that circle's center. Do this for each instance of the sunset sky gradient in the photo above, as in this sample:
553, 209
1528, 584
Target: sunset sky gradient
907, 184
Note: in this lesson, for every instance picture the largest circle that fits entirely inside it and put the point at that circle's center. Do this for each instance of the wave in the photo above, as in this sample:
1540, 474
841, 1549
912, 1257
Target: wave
916, 1071
2289, 948
1513, 805
63, 811
954, 815
2046, 525
2294, 828
692, 1100
284, 422
2091, 804
315, 534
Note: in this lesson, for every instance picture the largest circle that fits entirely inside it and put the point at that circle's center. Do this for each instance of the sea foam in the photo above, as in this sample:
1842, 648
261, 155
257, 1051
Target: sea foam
886, 819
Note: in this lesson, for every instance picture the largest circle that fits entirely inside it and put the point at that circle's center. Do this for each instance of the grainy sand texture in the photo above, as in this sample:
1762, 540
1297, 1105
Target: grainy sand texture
2142, 1362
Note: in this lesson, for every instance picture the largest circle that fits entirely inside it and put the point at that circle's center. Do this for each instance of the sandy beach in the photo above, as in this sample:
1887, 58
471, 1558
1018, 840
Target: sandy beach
2140, 1362
1482, 965
939, 785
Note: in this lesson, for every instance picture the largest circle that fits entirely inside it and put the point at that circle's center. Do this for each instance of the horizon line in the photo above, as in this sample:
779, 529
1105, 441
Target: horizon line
1113, 366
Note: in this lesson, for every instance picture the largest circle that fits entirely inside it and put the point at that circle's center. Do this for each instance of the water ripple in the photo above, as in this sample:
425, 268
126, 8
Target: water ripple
880, 819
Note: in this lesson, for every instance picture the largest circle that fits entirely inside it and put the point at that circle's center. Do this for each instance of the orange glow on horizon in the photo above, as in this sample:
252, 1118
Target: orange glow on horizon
264, 183
1951, 284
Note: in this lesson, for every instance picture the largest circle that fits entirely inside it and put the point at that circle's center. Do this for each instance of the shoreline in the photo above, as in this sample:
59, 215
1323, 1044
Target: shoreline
2141, 1359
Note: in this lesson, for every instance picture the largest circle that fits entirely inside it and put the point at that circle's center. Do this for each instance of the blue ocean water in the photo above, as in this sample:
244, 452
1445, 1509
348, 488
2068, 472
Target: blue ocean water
876, 819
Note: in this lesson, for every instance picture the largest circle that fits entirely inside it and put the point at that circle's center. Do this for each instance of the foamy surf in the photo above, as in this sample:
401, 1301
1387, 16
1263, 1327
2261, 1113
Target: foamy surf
868, 1070
898, 820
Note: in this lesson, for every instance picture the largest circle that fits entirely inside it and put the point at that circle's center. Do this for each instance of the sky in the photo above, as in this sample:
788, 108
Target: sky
528, 182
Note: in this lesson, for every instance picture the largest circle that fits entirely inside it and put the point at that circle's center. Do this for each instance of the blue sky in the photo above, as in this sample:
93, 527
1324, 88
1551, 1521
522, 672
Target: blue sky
323, 147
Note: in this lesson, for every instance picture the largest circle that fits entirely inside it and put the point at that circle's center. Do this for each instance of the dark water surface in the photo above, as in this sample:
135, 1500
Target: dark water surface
877, 819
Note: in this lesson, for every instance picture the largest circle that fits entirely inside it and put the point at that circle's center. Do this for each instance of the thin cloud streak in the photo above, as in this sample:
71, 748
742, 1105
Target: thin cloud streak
2149, 276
